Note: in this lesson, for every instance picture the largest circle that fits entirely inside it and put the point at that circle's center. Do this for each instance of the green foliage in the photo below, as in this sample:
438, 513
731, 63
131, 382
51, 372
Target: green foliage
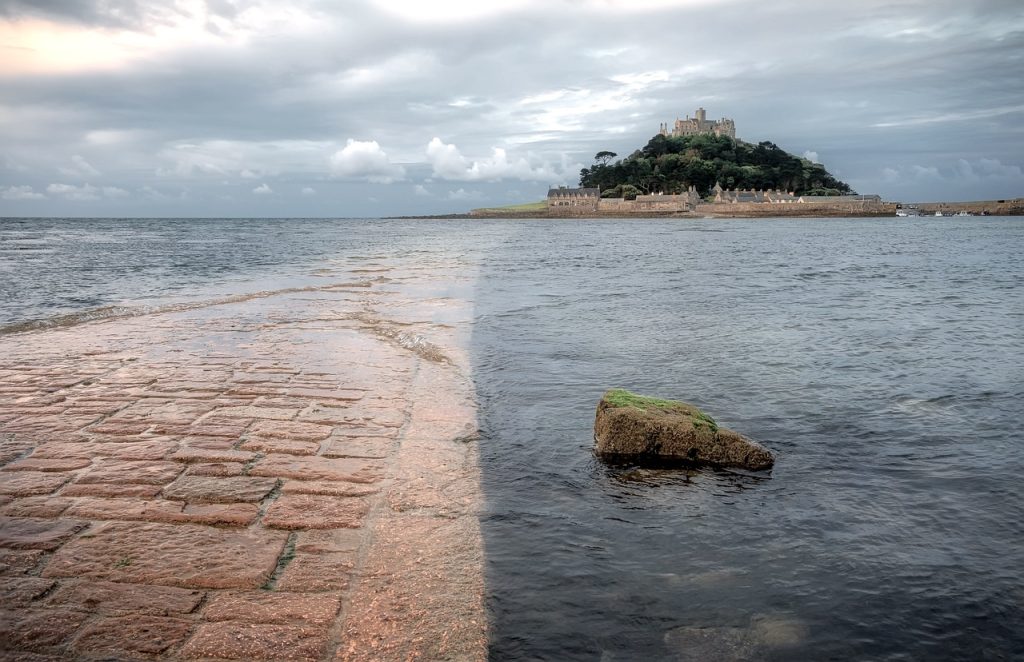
671, 164
627, 191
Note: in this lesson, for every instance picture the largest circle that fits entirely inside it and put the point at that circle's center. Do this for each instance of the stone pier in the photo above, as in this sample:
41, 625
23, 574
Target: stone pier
289, 476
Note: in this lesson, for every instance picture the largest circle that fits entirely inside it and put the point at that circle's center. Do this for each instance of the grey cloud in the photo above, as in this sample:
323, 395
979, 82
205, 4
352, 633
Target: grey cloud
846, 83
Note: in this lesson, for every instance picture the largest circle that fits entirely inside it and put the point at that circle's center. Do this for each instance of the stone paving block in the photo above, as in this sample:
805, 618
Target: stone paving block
317, 468
291, 430
238, 514
250, 411
18, 561
189, 455
261, 377
43, 506
37, 533
309, 511
327, 487
97, 508
243, 641
278, 400
29, 629
323, 561
21, 591
12, 447
114, 471
122, 449
209, 443
117, 598
368, 447
286, 446
199, 489
119, 428
215, 469
45, 464
232, 514
321, 394
132, 635
273, 607
49, 423
29, 483
184, 555
202, 429
105, 490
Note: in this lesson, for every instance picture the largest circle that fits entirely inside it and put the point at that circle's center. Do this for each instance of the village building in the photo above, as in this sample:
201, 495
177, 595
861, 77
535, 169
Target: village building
573, 200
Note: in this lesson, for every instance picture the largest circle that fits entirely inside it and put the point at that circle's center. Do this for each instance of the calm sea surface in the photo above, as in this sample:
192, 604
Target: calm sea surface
883, 359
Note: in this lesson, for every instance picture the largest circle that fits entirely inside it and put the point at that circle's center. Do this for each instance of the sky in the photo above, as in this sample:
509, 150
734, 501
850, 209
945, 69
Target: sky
403, 107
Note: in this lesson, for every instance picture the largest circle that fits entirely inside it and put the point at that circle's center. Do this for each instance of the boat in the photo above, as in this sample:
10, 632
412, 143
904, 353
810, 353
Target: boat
963, 213
908, 211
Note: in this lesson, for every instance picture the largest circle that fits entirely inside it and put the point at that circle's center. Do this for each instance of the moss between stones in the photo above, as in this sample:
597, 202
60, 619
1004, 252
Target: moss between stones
620, 397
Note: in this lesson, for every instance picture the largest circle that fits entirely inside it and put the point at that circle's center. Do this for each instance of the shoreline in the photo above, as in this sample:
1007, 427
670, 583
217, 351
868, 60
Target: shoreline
278, 477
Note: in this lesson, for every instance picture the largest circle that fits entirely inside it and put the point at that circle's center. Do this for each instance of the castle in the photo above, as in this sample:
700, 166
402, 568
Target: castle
692, 126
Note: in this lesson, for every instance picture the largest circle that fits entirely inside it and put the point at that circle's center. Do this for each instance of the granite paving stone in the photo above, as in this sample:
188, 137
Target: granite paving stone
273, 607
200, 489
131, 635
121, 598
244, 641
317, 468
115, 471
29, 483
37, 533
184, 555
309, 511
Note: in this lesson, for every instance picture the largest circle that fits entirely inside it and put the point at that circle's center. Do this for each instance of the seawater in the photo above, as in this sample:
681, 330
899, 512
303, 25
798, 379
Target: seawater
882, 359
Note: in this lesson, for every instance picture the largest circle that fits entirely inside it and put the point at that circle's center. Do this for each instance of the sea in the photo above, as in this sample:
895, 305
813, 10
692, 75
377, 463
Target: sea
882, 360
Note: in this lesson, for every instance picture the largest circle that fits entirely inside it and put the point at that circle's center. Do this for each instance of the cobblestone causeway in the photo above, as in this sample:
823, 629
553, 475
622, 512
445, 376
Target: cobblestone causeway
281, 478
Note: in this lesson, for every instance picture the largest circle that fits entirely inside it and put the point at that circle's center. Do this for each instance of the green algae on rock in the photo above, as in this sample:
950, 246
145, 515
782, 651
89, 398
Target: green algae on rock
640, 428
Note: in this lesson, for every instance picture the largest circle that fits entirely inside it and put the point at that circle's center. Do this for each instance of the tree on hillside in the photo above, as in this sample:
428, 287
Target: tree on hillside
671, 164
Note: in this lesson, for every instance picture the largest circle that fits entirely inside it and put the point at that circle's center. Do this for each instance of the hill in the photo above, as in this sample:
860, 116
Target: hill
669, 164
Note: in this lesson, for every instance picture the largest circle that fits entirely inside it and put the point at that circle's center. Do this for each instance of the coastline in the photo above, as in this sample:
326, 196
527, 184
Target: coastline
284, 476
1010, 207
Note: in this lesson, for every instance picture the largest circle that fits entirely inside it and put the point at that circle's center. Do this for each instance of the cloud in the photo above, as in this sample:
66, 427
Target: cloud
463, 194
86, 192
20, 193
961, 171
811, 156
263, 189
365, 160
308, 190
248, 159
421, 190
71, 192
447, 162
79, 167
987, 169
114, 192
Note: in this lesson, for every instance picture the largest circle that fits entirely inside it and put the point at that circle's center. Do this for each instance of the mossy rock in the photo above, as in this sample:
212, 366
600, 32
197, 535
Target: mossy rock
631, 427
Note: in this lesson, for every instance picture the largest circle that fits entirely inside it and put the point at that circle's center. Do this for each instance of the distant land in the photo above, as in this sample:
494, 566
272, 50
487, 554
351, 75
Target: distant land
697, 167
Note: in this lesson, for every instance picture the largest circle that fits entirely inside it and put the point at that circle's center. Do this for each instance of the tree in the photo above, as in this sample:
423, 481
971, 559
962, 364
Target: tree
604, 156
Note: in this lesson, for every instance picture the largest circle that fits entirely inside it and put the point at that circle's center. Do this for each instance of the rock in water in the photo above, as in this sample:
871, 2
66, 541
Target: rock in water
634, 427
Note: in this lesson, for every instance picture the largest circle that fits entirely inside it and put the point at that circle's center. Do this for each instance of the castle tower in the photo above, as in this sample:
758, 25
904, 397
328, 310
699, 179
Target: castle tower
702, 116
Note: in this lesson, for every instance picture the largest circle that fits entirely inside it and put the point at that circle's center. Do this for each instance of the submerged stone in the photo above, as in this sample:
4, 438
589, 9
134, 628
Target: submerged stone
637, 428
